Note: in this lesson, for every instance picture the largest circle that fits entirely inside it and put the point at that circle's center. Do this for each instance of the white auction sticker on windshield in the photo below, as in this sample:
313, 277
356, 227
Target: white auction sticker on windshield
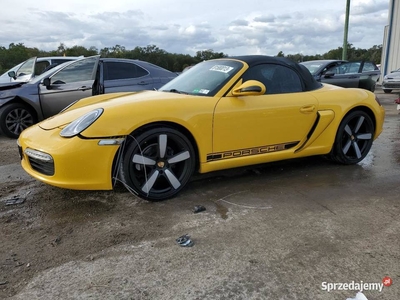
221, 68
204, 91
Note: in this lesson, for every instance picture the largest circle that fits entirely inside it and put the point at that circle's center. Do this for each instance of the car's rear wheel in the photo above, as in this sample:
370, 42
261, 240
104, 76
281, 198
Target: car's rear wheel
353, 139
158, 163
14, 118
387, 91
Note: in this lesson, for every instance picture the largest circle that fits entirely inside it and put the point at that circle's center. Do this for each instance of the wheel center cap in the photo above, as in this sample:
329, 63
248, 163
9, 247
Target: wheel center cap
352, 138
161, 164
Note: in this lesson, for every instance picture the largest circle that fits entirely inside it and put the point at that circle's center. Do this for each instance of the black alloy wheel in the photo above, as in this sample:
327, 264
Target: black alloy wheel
158, 163
14, 118
354, 138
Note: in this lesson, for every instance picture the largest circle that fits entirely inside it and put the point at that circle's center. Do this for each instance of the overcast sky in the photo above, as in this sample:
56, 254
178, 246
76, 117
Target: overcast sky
186, 26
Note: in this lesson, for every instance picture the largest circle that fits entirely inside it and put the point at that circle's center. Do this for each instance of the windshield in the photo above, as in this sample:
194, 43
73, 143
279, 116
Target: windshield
23, 72
312, 66
5, 75
205, 78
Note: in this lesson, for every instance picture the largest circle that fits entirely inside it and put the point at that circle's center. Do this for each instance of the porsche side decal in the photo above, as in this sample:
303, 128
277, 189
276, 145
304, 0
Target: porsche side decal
250, 151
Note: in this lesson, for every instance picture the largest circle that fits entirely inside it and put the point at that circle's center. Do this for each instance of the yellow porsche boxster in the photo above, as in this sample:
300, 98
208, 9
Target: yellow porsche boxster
220, 114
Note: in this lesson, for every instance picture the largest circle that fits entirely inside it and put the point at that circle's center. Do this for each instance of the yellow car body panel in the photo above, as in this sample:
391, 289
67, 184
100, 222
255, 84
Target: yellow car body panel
227, 131
90, 168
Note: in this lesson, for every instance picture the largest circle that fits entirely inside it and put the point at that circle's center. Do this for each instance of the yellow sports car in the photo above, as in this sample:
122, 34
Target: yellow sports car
220, 114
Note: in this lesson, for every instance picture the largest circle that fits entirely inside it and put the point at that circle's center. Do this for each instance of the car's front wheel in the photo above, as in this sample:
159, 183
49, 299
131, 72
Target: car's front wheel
157, 163
353, 139
14, 118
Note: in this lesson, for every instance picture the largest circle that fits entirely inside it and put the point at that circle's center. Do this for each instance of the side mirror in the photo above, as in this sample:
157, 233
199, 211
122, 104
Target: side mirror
250, 88
12, 74
47, 82
329, 74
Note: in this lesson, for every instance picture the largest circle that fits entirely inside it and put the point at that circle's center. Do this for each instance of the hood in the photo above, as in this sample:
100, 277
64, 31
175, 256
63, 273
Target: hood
111, 103
10, 85
393, 75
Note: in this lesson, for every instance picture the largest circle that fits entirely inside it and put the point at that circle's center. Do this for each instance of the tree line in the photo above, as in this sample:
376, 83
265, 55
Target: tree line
17, 53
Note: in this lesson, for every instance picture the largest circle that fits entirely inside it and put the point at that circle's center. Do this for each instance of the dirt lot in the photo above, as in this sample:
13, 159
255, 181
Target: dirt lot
275, 231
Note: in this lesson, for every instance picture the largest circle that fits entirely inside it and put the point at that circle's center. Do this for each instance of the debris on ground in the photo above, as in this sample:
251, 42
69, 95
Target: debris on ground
3, 282
184, 241
56, 241
198, 208
15, 200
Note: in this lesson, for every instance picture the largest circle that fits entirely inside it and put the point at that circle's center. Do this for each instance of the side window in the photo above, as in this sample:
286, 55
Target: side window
337, 69
122, 70
333, 67
353, 67
40, 67
81, 70
346, 68
368, 66
276, 78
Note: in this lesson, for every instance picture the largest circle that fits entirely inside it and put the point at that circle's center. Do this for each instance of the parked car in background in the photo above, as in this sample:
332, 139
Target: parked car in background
391, 82
356, 74
32, 67
220, 114
22, 105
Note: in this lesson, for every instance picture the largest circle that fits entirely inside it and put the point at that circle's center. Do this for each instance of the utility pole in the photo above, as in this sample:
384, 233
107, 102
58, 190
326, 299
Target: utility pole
346, 30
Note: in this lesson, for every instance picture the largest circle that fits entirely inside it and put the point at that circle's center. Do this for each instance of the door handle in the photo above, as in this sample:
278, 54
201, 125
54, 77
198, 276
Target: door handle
84, 88
142, 83
307, 109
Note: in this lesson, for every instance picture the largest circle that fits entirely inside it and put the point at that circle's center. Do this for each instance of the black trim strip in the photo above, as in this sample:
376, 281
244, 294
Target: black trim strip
250, 151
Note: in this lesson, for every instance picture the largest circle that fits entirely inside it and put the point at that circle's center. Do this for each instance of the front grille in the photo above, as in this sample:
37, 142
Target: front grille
390, 85
46, 168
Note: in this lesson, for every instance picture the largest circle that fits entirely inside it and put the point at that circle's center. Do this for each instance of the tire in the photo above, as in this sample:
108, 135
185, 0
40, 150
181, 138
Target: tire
14, 118
387, 91
158, 163
373, 87
353, 139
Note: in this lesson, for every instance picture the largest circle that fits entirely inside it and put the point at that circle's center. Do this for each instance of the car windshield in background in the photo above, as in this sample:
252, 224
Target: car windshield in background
313, 67
23, 71
5, 74
204, 79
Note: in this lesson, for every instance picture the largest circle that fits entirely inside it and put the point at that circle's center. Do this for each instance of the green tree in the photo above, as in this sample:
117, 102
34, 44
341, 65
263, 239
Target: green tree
208, 54
80, 50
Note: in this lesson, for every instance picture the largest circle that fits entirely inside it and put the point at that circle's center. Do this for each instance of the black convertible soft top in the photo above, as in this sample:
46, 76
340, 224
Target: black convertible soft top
252, 60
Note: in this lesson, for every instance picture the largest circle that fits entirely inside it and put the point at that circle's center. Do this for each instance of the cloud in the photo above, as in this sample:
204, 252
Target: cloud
239, 23
175, 26
265, 19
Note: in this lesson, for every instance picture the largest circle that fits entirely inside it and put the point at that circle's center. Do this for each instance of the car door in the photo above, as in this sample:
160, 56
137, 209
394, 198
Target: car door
125, 76
275, 121
71, 83
345, 75
369, 75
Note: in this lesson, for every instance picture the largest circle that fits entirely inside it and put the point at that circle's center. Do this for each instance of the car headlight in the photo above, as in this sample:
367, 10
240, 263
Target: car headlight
385, 77
80, 124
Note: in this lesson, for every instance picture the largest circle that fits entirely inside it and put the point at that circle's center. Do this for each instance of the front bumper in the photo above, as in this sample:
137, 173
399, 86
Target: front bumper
391, 85
72, 163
